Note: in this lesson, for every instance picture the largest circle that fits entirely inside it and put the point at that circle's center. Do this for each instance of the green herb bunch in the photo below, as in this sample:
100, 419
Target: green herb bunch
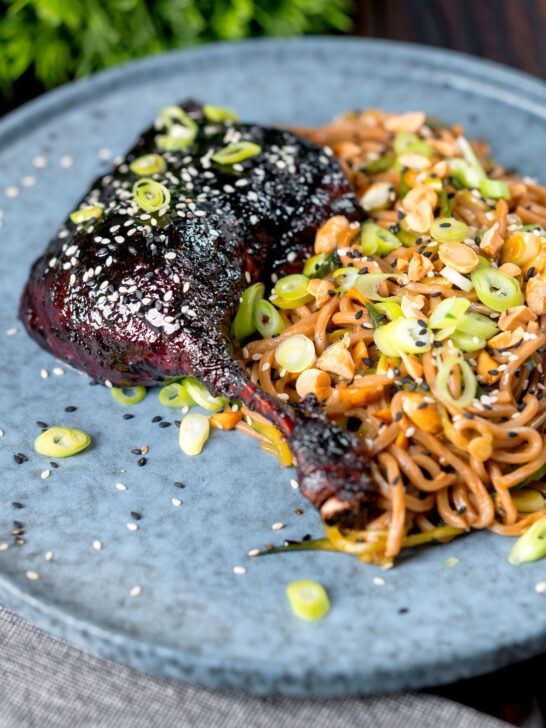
55, 40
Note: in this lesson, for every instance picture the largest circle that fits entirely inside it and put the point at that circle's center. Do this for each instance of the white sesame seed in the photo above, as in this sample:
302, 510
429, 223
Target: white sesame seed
294, 483
248, 277
176, 501
45, 474
97, 545
239, 570
66, 161
105, 154
39, 162
1, 433
410, 432
44, 373
135, 591
283, 396
167, 297
11, 191
58, 371
378, 580
277, 526
32, 575
28, 181
540, 588
121, 486
254, 552
48, 555
11, 332
132, 527
4, 546
170, 255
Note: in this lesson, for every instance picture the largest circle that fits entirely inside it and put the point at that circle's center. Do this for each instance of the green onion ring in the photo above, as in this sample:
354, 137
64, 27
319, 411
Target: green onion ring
86, 213
295, 354
469, 381
151, 196
175, 395
531, 546
496, 289
148, 164
243, 324
61, 442
238, 152
129, 395
267, 320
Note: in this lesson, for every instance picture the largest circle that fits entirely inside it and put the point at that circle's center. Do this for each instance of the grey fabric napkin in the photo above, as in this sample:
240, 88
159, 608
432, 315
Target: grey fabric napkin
48, 684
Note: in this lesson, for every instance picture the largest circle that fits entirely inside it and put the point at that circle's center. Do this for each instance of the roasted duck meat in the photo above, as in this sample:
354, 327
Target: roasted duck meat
143, 292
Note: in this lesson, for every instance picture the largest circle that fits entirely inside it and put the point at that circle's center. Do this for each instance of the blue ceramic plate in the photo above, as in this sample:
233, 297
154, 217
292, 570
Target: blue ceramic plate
195, 619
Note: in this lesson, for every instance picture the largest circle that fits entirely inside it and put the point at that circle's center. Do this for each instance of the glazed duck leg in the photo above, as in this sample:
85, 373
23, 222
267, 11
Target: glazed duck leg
137, 295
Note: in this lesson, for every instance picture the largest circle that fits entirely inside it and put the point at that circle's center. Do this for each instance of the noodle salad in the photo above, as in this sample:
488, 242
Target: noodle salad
422, 330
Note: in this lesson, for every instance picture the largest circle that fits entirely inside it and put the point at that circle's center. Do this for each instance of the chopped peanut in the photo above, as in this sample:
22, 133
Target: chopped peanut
412, 305
480, 448
313, 381
377, 197
413, 365
423, 414
458, 256
417, 195
333, 234
337, 360
414, 161
535, 294
514, 317
411, 121
419, 267
441, 169
486, 365
402, 265
510, 269
319, 289
420, 219
359, 352
225, 420
506, 339
491, 242
445, 147
385, 415
360, 396
401, 441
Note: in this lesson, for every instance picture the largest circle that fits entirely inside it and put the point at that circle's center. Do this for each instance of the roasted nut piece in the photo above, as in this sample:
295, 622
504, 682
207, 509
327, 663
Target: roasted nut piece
421, 217
417, 195
319, 289
335, 233
423, 414
314, 381
459, 257
535, 295
488, 369
491, 242
337, 360
419, 267
411, 121
512, 318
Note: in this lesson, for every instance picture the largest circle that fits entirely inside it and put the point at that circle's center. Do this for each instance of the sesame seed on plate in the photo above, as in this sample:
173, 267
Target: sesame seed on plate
97, 545
253, 552
132, 527
176, 501
39, 162
540, 588
4, 546
48, 555
379, 581
11, 191
28, 181
58, 371
1, 433
45, 474
135, 591
239, 570
66, 161
277, 526
105, 154
11, 332
32, 575
121, 486
294, 483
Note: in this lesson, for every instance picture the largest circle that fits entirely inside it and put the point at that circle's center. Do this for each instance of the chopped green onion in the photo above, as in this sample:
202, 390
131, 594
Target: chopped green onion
531, 546
61, 442
317, 266
470, 156
345, 278
452, 275
295, 354
148, 164
484, 263
374, 314
267, 319
374, 166
494, 188
291, 287
150, 195
469, 381
194, 432
530, 226
219, 113
444, 334
237, 152
463, 173
474, 324
445, 203
308, 599
181, 130
129, 395
376, 240
175, 395
317, 544
403, 140
285, 303
86, 213
390, 309
448, 312
467, 342
243, 323
448, 230
403, 336
496, 289
201, 395
367, 285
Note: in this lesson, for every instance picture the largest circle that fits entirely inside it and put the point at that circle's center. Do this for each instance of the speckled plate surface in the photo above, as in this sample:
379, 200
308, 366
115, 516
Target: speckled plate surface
195, 619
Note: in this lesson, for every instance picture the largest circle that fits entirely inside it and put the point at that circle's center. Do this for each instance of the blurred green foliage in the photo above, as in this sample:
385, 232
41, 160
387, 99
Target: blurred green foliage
56, 40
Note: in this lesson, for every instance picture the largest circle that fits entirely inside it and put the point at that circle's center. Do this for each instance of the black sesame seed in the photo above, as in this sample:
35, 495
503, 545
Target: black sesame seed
141, 462
18, 459
164, 424
177, 484
398, 417
461, 510
17, 524
331, 293
71, 408
531, 271
468, 415
358, 314
136, 515
435, 295
403, 610
136, 451
444, 224
512, 434
396, 480
368, 362
177, 423
423, 405
307, 537
22, 456
128, 417
16, 504
41, 424
493, 372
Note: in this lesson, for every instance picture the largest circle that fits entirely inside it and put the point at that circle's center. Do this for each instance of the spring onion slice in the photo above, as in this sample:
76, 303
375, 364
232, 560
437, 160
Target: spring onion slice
368, 282
86, 213
308, 600
194, 432
201, 396
61, 442
474, 324
531, 546
317, 544
464, 173
469, 381
448, 230
375, 239
317, 266
403, 140
390, 309
219, 113
129, 395
403, 336
448, 312
266, 319
148, 164
295, 354
296, 303
151, 196
238, 152
291, 287
470, 156
175, 395
467, 342
495, 188
452, 275
181, 130
445, 203
243, 324
496, 289
345, 278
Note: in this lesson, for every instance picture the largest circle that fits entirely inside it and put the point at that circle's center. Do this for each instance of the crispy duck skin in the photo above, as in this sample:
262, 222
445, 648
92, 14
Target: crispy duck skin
145, 297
